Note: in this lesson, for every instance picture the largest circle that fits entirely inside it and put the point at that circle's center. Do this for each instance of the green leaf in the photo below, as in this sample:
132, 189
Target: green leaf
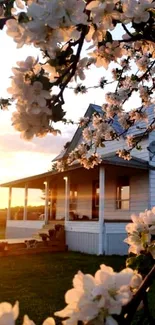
8, 8
134, 77
108, 37
57, 113
131, 262
23, 18
142, 263
45, 82
139, 147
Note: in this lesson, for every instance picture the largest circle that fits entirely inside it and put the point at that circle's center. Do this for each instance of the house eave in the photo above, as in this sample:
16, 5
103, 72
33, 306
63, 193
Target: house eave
134, 162
110, 159
20, 183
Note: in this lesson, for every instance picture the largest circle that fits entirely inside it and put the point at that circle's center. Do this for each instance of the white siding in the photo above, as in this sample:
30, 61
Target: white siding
114, 236
142, 124
152, 188
139, 195
152, 175
89, 227
36, 224
142, 154
83, 179
115, 228
84, 204
82, 236
82, 242
152, 138
113, 146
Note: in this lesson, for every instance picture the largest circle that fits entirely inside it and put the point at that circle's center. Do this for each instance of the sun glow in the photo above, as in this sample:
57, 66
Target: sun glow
18, 157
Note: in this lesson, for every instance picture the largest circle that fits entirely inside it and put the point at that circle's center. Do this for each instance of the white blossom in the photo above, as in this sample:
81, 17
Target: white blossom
31, 125
59, 28
105, 54
27, 321
139, 232
37, 94
144, 94
8, 313
142, 62
103, 13
83, 121
18, 32
98, 298
137, 10
87, 134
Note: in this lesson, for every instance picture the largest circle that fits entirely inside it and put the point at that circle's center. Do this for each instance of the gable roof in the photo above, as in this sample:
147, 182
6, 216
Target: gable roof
138, 128
92, 108
135, 130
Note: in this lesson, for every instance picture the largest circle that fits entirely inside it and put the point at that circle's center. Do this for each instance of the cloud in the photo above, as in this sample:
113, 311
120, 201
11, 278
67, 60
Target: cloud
21, 158
49, 144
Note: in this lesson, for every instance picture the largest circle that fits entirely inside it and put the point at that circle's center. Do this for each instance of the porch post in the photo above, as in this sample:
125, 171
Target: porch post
25, 202
101, 207
67, 192
9, 204
51, 193
46, 200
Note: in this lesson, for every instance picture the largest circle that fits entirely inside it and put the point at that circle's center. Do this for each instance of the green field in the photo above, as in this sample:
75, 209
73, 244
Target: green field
40, 281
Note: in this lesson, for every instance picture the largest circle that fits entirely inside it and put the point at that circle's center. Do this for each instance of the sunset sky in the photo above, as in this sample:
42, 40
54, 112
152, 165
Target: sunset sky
20, 158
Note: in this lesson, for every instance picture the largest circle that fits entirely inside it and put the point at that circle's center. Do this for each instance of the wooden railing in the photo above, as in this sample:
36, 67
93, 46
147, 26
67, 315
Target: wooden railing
56, 222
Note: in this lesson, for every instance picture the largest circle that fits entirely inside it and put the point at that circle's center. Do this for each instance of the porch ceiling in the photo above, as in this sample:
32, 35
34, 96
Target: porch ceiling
37, 181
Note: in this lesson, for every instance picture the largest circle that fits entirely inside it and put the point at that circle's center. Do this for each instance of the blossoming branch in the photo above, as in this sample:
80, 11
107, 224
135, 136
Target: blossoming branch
60, 29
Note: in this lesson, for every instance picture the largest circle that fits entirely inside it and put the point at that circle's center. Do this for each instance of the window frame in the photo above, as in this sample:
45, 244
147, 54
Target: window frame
122, 181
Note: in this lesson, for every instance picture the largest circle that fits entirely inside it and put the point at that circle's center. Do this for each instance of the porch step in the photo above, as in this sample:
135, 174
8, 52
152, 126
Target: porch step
44, 230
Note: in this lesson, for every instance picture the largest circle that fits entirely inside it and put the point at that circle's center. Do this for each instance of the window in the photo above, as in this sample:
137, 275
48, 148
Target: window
123, 193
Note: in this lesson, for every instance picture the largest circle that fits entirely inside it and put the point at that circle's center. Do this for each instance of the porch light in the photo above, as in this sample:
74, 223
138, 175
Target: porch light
65, 178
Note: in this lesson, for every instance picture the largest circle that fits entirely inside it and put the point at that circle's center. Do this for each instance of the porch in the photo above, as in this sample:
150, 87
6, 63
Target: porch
95, 205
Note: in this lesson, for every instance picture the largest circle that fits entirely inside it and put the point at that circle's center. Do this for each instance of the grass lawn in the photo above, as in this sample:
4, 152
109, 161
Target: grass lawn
39, 282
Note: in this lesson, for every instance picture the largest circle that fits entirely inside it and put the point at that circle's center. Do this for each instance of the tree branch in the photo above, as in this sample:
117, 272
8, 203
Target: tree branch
131, 308
147, 311
126, 30
146, 72
72, 67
